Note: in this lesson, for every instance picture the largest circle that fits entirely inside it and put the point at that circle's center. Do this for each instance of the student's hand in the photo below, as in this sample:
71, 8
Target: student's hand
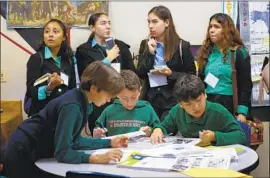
54, 81
113, 53
157, 136
152, 45
242, 118
147, 130
99, 132
113, 155
119, 141
207, 136
166, 72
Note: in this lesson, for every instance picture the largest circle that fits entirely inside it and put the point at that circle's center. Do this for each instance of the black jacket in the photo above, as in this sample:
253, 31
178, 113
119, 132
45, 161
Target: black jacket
87, 54
35, 70
176, 64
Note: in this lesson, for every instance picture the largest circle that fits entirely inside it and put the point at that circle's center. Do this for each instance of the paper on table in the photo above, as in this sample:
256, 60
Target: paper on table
210, 172
169, 151
157, 80
129, 135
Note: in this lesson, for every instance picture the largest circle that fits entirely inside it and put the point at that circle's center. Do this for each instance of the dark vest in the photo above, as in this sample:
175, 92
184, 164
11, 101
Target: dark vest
41, 127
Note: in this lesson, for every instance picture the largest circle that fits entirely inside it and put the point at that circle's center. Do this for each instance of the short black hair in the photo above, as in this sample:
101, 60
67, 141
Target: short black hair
188, 87
132, 81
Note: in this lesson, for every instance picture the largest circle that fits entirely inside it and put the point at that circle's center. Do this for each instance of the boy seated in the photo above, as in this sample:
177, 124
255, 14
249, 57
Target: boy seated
194, 116
127, 113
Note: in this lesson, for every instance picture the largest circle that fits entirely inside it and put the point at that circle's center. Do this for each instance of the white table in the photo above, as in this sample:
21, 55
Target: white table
247, 160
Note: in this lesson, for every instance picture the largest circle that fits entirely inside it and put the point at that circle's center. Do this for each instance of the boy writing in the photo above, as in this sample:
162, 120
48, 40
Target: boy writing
193, 116
127, 113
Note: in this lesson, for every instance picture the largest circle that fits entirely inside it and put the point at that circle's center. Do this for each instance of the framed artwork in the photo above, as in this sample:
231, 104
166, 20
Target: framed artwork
34, 14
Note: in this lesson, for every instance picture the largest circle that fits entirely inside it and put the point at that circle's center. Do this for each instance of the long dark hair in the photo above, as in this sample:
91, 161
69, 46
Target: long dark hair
231, 35
92, 21
171, 40
65, 48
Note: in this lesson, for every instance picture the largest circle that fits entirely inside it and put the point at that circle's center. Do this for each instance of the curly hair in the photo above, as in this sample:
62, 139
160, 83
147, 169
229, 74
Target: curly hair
231, 39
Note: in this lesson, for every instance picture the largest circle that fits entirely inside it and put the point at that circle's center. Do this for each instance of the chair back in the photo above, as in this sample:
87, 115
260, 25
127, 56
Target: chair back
89, 174
247, 130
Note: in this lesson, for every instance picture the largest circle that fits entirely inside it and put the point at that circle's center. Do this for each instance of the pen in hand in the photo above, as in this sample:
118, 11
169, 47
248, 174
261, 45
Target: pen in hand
100, 131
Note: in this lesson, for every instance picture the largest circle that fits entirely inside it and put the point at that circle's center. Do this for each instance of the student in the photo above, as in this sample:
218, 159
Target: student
127, 114
55, 130
54, 56
214, 58
95, 49
164, 47
195, 117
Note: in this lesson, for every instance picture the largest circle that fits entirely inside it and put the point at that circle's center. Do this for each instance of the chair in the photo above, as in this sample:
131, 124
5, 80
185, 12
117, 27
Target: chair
89, 174
247, 130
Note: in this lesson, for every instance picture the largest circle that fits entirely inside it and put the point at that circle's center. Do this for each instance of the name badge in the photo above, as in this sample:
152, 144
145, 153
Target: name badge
65, 78
211, 80
116, 66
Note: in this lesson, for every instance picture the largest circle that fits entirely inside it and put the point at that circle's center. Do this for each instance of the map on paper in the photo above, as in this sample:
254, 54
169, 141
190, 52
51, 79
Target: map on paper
259, 26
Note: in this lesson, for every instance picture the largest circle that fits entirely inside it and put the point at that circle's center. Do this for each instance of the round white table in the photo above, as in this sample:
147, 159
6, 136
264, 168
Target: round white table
247, 162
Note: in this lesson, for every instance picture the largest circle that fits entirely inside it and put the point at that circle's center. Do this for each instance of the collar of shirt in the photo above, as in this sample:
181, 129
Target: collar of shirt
159, 58
201, 121
94, 43
48, 54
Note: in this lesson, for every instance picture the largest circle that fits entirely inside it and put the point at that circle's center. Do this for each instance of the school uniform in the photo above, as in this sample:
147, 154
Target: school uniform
53, 132
223, 91
119, 120
215, 118
37, 68
161, 97
91, 51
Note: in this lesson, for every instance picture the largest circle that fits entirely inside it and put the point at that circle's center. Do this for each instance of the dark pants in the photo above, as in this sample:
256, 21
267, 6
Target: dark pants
20, 157
225, 100
162, 106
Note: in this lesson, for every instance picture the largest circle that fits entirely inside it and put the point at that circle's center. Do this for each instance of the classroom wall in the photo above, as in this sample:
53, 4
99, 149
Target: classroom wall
129, 21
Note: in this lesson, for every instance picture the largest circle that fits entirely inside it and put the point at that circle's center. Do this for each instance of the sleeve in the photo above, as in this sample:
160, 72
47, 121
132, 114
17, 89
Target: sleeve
127, 58
83, 60
42, 92
188, 61
100, 122
154, 120
33, 72
244, 82
231, 131
146, 61
66, 146
106, 61
168, 125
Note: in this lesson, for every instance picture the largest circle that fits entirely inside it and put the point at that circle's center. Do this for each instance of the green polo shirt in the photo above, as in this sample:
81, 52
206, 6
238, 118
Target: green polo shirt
223, 71
215, 118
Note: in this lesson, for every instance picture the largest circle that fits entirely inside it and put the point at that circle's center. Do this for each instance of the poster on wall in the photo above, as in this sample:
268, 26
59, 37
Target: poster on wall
259, 27
259, 46
34, 14
231, 8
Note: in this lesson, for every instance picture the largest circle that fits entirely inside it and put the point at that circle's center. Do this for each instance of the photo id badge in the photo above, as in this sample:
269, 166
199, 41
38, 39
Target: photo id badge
211, 80
64, 77
116, 66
